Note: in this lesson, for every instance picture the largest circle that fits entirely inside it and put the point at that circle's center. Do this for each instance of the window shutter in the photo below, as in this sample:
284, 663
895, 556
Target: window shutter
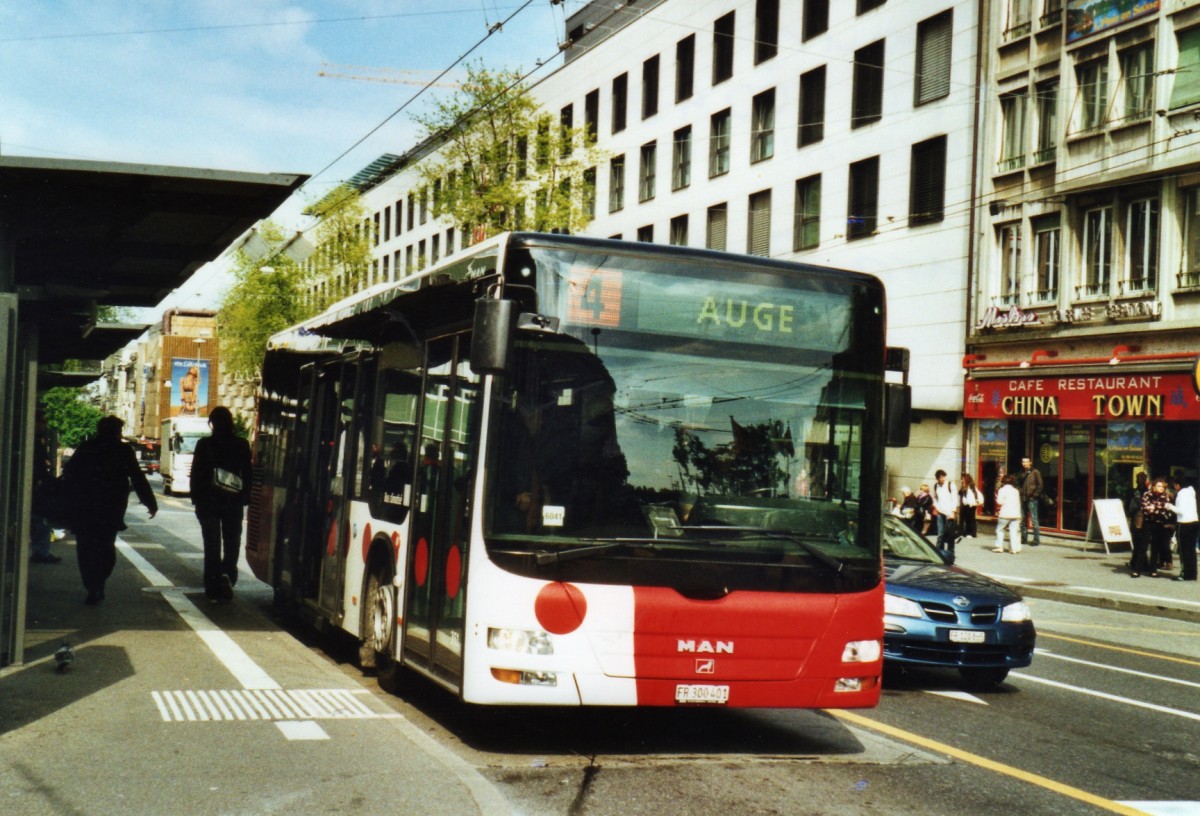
717, 218
1187, 75
933, 69
758, 241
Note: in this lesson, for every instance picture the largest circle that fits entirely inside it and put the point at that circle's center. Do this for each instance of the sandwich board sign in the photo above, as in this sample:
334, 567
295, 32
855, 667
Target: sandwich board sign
1108, 523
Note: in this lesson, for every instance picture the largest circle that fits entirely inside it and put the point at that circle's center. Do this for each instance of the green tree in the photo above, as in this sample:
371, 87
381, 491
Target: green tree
502, 163
70, 414
268, 295
341, 264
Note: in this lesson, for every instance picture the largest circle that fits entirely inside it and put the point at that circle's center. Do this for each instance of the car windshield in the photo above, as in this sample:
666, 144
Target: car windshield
902, 543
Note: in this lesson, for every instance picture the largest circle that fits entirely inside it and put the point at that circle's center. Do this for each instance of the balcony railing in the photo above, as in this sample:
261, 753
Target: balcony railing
1051, 18
1188, 280
1046, 154
1010, 164
1091, 290
1138, 285
1017, 32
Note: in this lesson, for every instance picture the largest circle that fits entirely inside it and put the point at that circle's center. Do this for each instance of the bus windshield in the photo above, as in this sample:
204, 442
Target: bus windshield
656, 426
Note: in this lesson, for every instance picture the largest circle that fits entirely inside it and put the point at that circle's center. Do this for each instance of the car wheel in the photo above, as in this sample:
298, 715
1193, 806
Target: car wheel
983, 678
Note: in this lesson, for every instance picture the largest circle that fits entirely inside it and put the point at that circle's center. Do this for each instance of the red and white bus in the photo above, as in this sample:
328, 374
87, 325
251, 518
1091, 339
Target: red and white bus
564, 471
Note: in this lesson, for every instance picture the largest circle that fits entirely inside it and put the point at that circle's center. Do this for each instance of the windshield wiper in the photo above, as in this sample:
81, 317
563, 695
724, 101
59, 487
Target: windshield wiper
595, 546
801, 540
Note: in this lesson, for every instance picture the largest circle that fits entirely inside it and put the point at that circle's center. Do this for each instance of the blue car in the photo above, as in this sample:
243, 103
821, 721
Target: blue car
937, 614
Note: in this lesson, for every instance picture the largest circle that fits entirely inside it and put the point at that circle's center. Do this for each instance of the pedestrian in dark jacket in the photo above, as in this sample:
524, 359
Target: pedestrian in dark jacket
1029, 482
1159, 521
219, 500
98, 478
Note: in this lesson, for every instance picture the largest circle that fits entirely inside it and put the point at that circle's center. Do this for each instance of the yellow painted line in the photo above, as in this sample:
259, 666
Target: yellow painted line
988, 764
1112, 648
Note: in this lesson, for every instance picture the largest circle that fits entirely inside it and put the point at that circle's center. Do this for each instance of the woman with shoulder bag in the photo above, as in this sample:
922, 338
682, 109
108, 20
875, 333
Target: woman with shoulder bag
221, 473
969, 500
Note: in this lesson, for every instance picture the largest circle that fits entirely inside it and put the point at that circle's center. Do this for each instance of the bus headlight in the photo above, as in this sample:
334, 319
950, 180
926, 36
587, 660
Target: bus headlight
1016, 613
903, 607
862, 651
521, 641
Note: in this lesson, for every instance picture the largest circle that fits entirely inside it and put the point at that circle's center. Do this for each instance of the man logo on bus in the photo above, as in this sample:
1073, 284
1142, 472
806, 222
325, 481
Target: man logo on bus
706, 665
705, 646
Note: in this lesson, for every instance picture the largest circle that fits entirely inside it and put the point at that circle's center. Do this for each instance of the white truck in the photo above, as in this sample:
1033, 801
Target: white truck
179, 437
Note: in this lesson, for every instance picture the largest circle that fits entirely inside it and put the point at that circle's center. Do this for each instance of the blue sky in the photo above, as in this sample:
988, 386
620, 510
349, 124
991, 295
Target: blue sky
233, 84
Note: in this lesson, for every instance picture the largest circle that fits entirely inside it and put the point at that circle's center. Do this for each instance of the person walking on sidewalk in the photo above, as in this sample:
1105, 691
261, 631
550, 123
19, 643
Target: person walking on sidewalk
1008, 515
98, 477
219, 501
1188, 525
945, 499
1030, 484
1158, 524
969, 502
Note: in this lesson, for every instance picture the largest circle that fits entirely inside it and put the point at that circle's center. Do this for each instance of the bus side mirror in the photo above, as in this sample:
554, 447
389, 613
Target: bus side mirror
898, 414
495, 322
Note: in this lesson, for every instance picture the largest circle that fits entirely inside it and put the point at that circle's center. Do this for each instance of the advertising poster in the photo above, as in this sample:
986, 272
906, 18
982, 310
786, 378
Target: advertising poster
1087, 17
1126, 442
189, 387
993, 439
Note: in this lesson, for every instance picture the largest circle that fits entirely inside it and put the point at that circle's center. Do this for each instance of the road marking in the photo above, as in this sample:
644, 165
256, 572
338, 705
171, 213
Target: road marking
1187, 715
962, 696
990, 764
228, 705
1166, 808
1121, 669
1123, 649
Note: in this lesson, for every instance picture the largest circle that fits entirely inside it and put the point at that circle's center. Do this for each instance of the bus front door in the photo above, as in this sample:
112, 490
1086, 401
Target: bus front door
435, 597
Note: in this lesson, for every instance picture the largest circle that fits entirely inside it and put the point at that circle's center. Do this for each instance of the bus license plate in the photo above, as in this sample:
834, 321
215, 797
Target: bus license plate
702, 694
967, 636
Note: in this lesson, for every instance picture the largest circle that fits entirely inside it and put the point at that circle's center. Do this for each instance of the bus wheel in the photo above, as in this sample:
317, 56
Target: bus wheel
379, 622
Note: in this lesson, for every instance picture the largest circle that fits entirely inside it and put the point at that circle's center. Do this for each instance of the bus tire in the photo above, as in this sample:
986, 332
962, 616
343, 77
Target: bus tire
379, 620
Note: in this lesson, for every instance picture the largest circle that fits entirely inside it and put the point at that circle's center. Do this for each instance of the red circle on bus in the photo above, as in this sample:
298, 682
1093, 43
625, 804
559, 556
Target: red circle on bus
421, 562
560, 608
395, 544
331, 540
366, 542
453, 572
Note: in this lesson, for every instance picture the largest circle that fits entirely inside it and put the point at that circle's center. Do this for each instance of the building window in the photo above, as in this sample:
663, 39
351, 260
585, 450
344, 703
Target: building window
1186, 90
620, 96
399, 215
387, 224
867, 5
762, 126
589, 193
718, 143
1046, 254
807, 231
679, 230
868, 85
646, 234
758, 224
685, 67
1097, 251
1141, 243
1009, 237
408, 259
566, 123
422, 258
681, 158
650, 87
863, 199
815, 20
766, 30
1190, 276
386, 267
616, 183
435, 248
715, 227
591, 117
723, 49
1047, 124
412, 210
647, 171
933, 58
450, 241
1092, 80
1012, 138
812, 107
927, 182
1137, 82
1017, 19
375, 231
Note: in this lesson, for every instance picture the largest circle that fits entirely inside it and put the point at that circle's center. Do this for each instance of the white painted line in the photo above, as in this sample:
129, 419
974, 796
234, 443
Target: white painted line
307, 730
962, 696
1166, 808
1120, 669
1187, 715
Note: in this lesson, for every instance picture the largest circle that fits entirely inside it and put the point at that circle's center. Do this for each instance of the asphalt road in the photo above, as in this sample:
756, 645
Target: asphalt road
1105, 720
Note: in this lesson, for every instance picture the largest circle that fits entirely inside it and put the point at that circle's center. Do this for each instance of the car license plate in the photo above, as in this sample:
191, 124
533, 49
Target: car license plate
967, 636
702, 694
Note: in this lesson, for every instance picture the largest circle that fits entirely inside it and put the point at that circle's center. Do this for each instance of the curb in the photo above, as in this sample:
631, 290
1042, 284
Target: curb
1115, 604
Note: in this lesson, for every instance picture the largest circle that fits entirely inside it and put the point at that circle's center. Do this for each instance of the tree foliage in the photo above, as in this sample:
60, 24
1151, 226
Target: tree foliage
504, 164
267, 296
70, 414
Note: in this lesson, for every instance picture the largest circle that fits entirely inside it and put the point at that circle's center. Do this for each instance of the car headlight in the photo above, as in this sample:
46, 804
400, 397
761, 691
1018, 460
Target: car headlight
895, 605
1016, 613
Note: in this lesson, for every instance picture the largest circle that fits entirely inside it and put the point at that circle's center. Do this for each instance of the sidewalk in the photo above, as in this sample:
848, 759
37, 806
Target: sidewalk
1075, 571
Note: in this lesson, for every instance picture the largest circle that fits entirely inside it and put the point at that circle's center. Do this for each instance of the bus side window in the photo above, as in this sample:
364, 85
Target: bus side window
391, 446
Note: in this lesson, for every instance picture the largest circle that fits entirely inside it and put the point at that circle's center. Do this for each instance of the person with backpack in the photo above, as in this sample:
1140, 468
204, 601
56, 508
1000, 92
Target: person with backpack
98, 478
221, 473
